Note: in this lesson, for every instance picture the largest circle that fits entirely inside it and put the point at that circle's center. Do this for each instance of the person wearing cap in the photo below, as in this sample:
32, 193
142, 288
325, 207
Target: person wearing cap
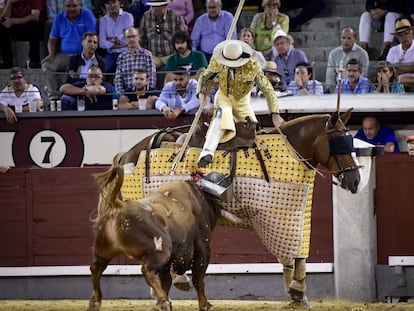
266, 24
211, 28
178, 96
158, 25
304, 84
342, 54
184, 58
287, 56
238, 72
374, 133
402, 55
274, 76
18, 95
111, 33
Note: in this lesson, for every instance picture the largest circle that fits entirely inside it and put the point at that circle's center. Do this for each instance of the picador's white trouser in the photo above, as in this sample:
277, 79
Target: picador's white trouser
214, 135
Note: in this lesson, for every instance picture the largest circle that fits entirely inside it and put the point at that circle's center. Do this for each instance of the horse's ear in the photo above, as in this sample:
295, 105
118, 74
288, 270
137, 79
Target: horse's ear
334, 118
346, 115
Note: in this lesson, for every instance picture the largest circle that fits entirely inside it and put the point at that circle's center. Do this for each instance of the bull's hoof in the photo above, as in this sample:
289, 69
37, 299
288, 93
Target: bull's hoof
209, 307
94, 305
205, 160
182, 282
164, 305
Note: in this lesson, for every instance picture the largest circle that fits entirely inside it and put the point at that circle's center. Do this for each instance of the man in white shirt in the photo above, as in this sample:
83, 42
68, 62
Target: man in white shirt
402, 55
17, 96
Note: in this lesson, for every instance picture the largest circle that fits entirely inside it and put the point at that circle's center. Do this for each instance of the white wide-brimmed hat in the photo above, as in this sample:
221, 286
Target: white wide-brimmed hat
402, 25
232, 53
157, 3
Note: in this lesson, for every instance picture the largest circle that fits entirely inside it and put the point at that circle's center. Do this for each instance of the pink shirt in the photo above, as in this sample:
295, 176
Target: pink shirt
184, 8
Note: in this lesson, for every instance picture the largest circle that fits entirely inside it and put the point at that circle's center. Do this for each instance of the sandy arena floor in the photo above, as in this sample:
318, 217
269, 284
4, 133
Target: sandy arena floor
186, 305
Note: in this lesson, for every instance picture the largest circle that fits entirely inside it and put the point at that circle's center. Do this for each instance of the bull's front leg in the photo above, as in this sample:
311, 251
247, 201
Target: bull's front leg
97, 268
153, 280
199, 269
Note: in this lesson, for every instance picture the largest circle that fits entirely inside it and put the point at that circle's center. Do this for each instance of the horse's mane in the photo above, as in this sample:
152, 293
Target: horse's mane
301, 120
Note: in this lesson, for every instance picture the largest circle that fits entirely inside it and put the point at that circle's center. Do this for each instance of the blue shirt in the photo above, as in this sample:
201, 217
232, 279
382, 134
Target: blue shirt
110, 29
385, 135
313, 87
207, 33
71, 33
169, 97
363, 86
287, 66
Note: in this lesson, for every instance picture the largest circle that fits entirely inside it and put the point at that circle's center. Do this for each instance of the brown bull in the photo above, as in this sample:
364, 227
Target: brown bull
169, 229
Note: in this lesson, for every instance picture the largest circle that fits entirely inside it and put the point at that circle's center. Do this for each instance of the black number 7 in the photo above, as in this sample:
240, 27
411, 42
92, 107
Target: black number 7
52, 141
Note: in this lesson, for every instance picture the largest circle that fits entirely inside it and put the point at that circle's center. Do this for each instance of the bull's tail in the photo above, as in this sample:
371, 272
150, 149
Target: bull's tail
109, 184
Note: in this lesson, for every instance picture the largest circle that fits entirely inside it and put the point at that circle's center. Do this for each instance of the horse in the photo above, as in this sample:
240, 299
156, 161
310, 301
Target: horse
317, 139
168, 229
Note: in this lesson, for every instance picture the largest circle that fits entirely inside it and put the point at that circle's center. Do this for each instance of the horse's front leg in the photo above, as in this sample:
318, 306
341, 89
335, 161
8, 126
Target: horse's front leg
297, 288
97, 268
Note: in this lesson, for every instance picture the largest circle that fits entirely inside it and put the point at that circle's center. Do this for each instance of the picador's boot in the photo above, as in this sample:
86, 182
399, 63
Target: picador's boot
212, 140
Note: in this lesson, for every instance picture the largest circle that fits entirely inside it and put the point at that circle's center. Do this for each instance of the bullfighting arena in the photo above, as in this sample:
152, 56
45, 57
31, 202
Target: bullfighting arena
187, 305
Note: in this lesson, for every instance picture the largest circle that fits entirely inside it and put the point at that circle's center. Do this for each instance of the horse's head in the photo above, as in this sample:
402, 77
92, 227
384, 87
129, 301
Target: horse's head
334, 149
324, 139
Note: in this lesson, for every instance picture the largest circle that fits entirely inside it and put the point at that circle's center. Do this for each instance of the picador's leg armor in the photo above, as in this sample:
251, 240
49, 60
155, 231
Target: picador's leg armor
215, 133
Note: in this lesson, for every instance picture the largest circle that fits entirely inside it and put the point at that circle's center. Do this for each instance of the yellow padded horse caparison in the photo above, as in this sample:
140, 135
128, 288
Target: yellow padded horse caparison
278, 211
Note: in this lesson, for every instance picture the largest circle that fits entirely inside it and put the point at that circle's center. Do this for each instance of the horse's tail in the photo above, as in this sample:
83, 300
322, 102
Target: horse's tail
109, 184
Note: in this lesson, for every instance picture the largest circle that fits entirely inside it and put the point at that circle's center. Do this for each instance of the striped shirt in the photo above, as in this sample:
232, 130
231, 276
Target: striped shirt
157, 37
128, 62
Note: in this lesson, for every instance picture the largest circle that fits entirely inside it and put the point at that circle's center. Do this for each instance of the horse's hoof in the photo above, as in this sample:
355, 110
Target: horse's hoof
94, 306
298, 305
182, 282
209, 307
164, 305
206, 160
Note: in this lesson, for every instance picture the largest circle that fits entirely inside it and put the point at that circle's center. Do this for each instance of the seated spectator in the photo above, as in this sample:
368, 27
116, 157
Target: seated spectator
17, 96
184, 8
137, 8
342, 54
287, 57
274, 76
158, 25
178, 96
266, 24
355, 82
184, 58
140, 90
386, 80
304, 83
376, 134
80, 63
22, 20
211, 28
308, 10
65, 40
401, 56
135, 57
379, 15
95, 91
111, 33
247, 35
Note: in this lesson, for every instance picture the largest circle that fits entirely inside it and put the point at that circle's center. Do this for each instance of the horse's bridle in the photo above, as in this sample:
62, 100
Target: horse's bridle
342, 144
